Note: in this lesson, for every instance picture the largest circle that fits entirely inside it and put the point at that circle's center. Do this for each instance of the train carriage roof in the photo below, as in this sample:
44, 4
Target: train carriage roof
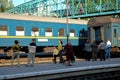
41, 19
98, 21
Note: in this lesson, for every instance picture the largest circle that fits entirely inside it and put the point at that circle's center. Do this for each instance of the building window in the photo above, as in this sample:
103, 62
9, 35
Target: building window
4, 30
48, 32
72, 33
35, 31
61, 32
20, 31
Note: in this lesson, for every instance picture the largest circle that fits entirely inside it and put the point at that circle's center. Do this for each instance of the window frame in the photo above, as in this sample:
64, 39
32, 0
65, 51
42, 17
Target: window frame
5, 30
23, 28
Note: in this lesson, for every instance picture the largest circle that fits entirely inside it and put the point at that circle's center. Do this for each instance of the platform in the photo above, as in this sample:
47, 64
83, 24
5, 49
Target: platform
50, 70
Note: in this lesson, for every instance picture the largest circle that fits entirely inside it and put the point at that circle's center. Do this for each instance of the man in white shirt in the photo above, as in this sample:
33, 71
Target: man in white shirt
108, 47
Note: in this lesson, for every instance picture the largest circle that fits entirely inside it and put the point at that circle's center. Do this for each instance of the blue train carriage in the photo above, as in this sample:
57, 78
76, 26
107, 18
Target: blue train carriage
46, 30
105, 28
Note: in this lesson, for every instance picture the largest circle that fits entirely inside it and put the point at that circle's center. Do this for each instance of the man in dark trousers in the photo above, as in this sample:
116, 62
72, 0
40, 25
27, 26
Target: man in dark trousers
101, 48
31, 54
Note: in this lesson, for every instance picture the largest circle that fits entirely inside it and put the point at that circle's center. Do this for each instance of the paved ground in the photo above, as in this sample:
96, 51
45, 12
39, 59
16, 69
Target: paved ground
49, 66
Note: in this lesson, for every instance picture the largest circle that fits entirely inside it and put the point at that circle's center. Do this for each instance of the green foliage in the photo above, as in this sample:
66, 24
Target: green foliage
2, 8
92, 6
5, 5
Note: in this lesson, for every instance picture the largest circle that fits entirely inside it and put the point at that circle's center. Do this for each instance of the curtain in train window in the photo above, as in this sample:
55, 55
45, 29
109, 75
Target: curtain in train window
20, 31
72, 33
35, 31
4, 30
61, 32
115, 32
48, 32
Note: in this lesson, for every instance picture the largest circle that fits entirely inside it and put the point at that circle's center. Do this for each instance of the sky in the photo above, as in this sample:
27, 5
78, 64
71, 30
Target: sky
17, 2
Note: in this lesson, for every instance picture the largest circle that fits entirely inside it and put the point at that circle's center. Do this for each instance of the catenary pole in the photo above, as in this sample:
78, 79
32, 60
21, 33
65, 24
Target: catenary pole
67, 34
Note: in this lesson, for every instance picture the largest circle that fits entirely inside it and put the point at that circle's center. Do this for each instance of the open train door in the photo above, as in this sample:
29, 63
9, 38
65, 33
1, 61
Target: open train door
115, 36
95, 34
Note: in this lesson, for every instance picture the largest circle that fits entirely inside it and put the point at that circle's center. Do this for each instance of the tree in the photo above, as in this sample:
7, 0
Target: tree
2, 8
5, 5
11, 3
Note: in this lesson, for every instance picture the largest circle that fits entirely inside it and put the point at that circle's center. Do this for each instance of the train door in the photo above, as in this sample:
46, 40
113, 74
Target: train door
97, 34
115, 36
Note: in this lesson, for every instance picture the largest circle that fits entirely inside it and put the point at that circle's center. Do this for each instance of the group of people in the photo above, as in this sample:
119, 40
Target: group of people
92, 50
58, 51
67, 51
31, 54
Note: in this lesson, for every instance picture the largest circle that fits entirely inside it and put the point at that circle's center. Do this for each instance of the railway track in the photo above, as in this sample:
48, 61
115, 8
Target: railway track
114, 75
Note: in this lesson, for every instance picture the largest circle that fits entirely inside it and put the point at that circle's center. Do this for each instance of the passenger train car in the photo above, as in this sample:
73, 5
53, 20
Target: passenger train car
48, 30
45, 30
105, 28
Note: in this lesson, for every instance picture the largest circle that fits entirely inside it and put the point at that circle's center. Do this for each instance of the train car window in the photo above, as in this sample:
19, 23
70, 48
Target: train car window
20, 31
4, 30
48, 32
61, 32
72, 33
35, 31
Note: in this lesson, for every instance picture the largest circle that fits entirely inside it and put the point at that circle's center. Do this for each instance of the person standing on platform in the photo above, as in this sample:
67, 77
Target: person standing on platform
69, 54
94, 51
108, 47
55, 54
31, 54
101, 48
15, 49
88, 50
60, 48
